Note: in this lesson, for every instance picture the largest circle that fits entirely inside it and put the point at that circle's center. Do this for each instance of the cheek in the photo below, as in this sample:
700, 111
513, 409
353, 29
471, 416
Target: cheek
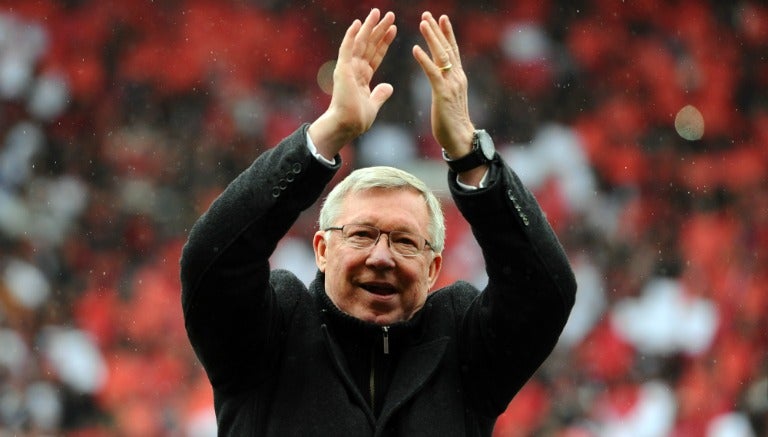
340, 265
424, 273
418, 278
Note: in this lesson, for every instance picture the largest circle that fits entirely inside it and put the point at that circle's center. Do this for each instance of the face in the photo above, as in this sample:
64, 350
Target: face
376, 284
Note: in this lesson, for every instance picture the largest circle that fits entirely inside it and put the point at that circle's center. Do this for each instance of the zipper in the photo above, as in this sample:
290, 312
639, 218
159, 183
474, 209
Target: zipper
372, 376
372, 381
385, 335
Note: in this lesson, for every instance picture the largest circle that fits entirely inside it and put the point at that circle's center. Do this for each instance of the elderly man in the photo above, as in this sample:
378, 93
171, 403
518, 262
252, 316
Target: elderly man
367, 349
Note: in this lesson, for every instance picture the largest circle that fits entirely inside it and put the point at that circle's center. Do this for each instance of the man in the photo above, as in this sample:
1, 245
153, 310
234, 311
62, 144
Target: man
367, 349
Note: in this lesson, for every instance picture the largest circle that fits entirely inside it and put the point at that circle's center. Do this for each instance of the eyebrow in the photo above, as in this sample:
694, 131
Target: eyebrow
396, 229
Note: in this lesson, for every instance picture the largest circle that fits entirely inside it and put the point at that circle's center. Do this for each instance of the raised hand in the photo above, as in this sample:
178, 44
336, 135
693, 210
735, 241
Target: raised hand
354, 105
451, 124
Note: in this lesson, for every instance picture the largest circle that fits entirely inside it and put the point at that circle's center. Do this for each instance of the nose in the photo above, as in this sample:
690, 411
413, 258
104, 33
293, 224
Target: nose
381, 255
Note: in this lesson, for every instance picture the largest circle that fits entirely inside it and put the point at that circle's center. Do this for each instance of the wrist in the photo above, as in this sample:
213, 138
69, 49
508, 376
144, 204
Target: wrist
462, 144
474, 177
330, 136
482, 152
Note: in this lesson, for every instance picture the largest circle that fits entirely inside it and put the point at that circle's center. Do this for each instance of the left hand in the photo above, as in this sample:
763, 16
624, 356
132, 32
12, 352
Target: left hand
451, 124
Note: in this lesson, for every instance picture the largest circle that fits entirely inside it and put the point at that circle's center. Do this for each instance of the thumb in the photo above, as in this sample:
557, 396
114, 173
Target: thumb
380, 94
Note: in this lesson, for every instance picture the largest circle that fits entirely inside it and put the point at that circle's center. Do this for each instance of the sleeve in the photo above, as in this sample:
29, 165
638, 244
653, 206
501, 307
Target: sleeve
231, 313
514, 323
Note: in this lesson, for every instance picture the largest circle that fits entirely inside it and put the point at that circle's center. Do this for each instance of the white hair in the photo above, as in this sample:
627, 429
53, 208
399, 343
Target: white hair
389, 178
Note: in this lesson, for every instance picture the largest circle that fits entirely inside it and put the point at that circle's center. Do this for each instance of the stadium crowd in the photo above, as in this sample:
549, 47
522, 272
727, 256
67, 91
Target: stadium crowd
642, 126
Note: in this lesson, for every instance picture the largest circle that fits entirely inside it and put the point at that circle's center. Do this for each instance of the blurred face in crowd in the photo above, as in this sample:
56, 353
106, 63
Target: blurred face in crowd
377, 284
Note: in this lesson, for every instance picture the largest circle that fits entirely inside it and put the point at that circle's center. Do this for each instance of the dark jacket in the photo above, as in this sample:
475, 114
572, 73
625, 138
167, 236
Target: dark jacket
283, 360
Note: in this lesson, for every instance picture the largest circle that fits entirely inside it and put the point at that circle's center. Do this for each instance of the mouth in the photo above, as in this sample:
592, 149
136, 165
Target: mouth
379, 288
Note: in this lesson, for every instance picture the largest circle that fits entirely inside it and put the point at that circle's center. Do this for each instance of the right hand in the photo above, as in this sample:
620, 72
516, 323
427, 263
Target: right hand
354, 105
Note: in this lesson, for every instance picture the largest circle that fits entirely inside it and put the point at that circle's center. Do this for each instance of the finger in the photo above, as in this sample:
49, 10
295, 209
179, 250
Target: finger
440, 37
427, 65
379, 33
439, 56
347, 43
436, 41
383, 46
380, 94
363, 36
447, 29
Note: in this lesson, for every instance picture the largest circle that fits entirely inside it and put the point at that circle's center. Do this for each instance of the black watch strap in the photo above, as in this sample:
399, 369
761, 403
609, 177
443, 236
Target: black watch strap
473, 159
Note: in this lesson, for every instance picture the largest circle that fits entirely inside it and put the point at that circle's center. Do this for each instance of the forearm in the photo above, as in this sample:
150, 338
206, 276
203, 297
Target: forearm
513, 326
519, 245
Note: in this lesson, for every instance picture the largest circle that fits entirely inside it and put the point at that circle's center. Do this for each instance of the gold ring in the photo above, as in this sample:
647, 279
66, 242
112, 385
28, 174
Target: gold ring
446, 67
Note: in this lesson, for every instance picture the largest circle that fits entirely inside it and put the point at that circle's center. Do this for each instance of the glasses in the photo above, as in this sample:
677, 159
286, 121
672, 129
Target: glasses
365, 237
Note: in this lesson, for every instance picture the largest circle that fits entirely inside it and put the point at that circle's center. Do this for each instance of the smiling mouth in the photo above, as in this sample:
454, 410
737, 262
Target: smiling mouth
379, 289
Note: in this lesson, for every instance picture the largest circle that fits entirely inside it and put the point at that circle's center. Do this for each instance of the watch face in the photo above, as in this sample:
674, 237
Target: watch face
486, 144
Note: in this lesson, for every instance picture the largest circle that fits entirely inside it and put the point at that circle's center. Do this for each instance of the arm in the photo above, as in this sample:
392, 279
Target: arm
354, 105
232, 314
513, 325
451, 123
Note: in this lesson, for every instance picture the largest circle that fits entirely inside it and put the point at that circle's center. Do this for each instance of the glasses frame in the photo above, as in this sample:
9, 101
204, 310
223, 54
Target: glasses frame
380, 232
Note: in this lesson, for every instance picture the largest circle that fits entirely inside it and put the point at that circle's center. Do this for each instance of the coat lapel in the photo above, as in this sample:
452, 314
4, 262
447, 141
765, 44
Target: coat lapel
339, 363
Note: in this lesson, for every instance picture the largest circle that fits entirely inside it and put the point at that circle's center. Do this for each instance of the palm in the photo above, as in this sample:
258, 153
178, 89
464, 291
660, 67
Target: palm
354, 105
352, 96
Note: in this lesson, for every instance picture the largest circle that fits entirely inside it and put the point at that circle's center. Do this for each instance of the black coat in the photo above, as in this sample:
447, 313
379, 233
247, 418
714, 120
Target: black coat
278, 353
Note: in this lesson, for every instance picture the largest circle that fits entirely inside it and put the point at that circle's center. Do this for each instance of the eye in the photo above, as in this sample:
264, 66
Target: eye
405, 240
361, 233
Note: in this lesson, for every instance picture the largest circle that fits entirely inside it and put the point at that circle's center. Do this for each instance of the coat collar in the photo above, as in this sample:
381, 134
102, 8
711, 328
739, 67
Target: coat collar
418, 353
406, 332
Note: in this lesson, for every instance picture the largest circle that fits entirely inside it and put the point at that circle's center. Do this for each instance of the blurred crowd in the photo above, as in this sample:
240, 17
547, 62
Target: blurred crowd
642, 127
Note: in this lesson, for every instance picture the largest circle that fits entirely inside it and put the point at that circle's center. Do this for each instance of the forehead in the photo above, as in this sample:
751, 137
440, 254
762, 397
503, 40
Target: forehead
403, 208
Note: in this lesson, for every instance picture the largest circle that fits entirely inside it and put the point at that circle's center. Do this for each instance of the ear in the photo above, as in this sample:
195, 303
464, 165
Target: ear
434, 268
320, 246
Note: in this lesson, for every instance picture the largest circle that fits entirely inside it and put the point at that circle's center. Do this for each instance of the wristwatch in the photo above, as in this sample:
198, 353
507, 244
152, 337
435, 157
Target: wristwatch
482, 153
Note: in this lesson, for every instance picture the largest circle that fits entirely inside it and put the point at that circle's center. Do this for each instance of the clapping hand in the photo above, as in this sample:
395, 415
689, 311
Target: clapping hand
354, 105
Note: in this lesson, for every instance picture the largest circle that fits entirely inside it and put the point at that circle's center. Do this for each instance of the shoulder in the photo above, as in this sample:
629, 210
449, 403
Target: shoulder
456, 297
287, 287
285, 278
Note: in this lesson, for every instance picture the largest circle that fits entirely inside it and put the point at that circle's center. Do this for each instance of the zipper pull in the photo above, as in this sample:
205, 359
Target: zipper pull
386, 339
